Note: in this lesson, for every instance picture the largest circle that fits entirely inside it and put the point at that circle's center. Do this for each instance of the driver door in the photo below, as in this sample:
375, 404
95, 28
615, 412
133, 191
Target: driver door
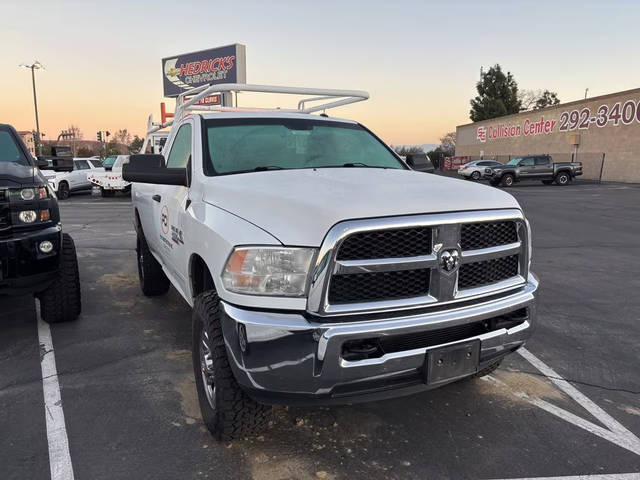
169, 205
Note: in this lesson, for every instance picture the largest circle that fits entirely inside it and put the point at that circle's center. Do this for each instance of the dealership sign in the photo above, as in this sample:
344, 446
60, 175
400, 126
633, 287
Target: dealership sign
217, 65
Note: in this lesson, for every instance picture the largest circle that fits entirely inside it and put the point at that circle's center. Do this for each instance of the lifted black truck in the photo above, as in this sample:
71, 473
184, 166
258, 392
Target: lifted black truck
533, 167
36, 258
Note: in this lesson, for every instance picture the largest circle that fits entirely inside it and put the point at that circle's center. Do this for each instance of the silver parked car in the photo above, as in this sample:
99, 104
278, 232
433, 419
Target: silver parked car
475, 170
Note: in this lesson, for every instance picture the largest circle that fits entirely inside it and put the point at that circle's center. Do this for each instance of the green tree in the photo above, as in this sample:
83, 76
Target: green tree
85, 152
497, 95
547, 99
136, 144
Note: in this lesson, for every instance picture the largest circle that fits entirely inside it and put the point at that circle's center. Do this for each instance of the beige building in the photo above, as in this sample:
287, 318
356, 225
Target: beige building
29, 140
601, 132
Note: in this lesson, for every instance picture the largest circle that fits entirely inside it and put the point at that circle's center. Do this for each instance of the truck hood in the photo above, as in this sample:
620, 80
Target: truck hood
14, 174
298, 207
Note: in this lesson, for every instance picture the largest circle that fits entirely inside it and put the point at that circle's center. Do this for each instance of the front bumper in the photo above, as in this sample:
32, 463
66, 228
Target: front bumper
23, 268
289, 359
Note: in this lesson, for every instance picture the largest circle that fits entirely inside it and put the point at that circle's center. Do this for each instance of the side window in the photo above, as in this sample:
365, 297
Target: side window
81, 165
542, 160
181, 148
527, 162
483, 164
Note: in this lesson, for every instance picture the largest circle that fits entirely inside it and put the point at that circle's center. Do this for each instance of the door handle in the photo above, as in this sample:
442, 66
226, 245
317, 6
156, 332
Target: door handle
157, 198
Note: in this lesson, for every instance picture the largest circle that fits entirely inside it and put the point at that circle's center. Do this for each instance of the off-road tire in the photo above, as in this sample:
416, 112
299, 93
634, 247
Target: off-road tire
563, 178
547, 182
153, 280
475, 176
507, 180
63, 190
494, 183
107, 193
235, 414
487, 370
61, 302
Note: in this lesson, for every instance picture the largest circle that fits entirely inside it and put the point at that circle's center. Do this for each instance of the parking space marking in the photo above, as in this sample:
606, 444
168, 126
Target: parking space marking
59, 457
614, 431
614, 476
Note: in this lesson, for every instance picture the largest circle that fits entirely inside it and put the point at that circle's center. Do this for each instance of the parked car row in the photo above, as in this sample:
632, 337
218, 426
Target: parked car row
535, 167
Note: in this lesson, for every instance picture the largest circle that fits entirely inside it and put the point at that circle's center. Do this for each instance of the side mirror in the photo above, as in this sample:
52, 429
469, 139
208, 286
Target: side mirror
152, 169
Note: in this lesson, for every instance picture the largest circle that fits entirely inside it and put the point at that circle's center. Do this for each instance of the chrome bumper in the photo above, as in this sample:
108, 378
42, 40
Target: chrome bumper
288, 359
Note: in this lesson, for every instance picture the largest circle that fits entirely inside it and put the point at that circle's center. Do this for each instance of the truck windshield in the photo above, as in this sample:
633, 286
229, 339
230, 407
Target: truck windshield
246, 145
514, 161
9, 151
109, 161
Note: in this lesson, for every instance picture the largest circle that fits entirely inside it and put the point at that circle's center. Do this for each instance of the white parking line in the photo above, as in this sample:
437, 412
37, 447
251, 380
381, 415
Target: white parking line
59, 458
614, 432
613, 476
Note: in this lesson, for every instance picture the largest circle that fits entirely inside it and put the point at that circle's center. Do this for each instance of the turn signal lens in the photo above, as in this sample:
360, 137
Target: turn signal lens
27, 216
43, 192
45, 216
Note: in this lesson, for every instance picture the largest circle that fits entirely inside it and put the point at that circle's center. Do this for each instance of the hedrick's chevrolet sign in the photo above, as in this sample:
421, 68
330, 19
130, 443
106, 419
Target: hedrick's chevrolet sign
217, 65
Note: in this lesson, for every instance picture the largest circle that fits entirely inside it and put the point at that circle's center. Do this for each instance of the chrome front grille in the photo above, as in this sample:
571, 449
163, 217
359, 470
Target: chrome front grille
400, 262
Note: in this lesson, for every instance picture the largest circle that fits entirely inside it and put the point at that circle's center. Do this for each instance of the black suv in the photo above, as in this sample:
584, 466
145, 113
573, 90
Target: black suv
35, 256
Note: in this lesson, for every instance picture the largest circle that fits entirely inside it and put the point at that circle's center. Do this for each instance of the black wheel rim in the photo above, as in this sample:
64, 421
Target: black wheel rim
206, 368
563, 179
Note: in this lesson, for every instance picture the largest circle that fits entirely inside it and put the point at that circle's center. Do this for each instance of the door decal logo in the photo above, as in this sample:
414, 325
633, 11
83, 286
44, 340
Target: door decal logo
164, 220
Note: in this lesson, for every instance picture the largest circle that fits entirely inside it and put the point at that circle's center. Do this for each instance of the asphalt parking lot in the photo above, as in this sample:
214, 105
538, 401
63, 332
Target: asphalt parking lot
129, 401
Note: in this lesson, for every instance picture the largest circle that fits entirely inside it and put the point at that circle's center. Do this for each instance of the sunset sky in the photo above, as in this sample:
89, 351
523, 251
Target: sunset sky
418, 60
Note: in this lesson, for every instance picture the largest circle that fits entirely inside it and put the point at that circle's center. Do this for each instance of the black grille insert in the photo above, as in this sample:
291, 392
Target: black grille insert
5, 211
363, 287
483, 235
488, 271
406, 242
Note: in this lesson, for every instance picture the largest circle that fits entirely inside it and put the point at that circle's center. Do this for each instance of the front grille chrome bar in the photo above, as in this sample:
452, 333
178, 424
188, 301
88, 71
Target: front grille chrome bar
443, 286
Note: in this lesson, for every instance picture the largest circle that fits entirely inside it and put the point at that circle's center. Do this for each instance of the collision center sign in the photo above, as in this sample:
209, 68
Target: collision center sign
506, 130
217, 65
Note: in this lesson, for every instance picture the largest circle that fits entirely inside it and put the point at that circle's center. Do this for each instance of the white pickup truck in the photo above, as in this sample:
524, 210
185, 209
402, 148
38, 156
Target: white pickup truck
320, 268
75, 180
110, 178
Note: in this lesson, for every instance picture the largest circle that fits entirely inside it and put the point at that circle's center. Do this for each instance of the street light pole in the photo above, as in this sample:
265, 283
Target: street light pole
33, 67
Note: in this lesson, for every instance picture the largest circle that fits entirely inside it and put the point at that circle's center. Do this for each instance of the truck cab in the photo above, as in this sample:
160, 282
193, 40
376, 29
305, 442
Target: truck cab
36, 257
320, 268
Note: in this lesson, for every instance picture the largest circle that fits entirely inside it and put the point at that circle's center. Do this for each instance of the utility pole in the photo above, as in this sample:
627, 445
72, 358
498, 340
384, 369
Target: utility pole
35, 66
585, 93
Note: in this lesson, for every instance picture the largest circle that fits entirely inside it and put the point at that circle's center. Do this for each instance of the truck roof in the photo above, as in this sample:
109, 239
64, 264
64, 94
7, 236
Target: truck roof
274, 114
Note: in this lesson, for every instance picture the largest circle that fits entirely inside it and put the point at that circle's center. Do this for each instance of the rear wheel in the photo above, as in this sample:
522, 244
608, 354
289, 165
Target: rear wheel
63, 190
226, 409
507, 180
563, 178
476, 176
153, 281
61, 302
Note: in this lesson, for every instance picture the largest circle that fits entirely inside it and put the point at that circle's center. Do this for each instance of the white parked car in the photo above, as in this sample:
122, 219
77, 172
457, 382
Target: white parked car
110, 178
320, 268
66, 182
475, 170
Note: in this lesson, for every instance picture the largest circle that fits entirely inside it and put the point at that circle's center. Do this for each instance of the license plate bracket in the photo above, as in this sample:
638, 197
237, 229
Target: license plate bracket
451, 362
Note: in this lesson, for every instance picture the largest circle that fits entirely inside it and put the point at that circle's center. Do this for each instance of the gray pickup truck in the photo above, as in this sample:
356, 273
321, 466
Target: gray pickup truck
535, 167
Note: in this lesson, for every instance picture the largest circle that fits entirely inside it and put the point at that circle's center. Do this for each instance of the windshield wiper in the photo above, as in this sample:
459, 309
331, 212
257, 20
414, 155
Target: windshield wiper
267, 167
360, 164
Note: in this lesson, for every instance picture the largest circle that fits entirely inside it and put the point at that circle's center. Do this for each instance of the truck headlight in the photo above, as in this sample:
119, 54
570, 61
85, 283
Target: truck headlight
27, 194
279, 271
27, 216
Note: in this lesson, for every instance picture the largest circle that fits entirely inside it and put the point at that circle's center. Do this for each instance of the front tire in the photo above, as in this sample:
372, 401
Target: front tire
507, 180
563, 178
475, 176
63, 191
153, 280
226, 409
107, 193
61, 302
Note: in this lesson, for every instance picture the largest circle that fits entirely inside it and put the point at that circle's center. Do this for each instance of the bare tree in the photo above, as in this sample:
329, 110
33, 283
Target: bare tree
528, 99
74, 132
404, 150
448, 143
122, 137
